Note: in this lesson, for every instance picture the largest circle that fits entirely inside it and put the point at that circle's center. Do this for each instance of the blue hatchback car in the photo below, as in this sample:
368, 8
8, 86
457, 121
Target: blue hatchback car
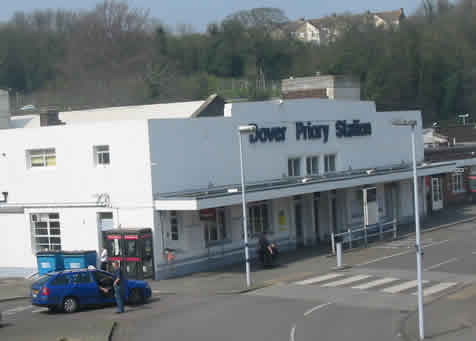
71, 289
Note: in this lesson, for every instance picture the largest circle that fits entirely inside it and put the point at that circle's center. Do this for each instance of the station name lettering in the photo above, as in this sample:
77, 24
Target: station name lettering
344, 129
277, 134
309, 131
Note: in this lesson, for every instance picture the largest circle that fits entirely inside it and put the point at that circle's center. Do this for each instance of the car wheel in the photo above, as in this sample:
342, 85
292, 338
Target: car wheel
136, 297
70, 305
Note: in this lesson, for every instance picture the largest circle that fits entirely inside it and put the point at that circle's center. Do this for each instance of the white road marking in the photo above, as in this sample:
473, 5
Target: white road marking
375, 283
346, 281
400, 254
402, 287
319, 279
16, 310
156, 291
440, 264
436, 288
293, 331
320, 306
39, 310
384, 258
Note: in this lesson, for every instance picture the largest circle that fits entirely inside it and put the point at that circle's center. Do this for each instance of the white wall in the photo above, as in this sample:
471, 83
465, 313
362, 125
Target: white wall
16, 247
76, 179
205, 151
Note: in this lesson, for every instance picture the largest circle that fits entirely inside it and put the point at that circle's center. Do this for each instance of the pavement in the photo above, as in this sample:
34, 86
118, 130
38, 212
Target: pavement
276, 298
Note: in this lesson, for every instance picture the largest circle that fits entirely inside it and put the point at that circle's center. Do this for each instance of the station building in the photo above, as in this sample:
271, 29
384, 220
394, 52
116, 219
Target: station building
175, 169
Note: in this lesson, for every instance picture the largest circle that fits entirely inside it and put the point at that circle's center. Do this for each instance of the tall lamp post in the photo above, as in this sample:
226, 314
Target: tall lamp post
244, 130
418, 248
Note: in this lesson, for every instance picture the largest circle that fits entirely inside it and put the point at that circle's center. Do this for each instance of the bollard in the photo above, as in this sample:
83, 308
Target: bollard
339, 254
350, 238
333, 243
365, 235
394, 228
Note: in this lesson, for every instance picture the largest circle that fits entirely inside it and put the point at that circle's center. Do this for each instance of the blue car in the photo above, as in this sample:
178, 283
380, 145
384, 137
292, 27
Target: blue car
70, 290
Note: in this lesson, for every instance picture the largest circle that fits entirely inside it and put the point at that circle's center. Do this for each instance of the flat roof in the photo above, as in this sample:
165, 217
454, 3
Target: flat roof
295, 185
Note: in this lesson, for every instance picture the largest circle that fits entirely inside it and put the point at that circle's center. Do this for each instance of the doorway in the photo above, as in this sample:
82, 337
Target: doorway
436, 193
298, 221
316, 198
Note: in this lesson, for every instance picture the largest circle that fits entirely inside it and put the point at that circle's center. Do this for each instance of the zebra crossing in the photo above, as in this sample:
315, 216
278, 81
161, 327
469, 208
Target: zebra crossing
388, 285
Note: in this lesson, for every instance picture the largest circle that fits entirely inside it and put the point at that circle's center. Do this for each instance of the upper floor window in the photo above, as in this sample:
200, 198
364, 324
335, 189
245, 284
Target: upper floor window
294, 167
329, 163
102, 155
312, 165
41, 158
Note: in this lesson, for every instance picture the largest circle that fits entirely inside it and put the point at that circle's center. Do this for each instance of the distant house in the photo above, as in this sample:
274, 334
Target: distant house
327, 29
300, 29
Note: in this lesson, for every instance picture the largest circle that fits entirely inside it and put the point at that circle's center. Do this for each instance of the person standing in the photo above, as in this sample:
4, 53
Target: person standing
104, 258
119, 286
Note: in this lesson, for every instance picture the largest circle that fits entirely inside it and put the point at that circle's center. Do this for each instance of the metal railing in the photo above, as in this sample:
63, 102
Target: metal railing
366, 232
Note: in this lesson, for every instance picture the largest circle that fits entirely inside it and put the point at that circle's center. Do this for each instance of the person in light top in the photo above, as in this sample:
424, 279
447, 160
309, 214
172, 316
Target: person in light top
104, 259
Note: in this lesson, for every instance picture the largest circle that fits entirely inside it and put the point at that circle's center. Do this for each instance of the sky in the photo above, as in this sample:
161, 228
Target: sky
198, 13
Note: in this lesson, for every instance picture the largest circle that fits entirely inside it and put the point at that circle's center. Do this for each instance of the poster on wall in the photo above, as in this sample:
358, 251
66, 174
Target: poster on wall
282, 221
208, 214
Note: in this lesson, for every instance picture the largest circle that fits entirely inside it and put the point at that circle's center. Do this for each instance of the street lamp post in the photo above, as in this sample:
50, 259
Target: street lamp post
241, 131
419, 250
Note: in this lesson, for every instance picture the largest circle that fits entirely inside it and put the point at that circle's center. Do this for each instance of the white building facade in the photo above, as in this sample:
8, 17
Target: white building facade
179, 175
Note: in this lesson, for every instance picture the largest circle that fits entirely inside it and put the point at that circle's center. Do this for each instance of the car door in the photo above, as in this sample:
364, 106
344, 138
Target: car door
85, 288
58, 289
105, 280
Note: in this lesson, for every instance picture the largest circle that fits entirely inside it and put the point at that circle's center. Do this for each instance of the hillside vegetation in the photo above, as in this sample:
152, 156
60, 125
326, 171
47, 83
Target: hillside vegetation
116, 55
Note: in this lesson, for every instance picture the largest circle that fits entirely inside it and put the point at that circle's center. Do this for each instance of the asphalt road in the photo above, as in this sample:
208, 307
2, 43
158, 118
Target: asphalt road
367, 302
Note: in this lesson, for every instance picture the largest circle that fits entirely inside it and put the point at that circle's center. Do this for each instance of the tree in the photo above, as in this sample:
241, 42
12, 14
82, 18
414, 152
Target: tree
264, 18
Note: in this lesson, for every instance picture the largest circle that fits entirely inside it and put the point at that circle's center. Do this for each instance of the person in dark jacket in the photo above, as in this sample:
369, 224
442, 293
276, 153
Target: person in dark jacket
119, 286
267, 252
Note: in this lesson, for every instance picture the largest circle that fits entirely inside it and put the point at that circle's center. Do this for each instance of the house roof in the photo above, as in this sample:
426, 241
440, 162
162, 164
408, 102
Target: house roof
293, 26
390, 16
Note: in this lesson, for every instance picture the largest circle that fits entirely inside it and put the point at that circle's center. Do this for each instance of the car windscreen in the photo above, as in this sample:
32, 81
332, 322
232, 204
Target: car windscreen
42, 280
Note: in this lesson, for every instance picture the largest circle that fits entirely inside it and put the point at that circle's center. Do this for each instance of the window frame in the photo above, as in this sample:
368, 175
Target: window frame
309, 165
174, 226
292, 163
264, 220
36, 218
99, 155
44, 154
327, 163
457, 183
220, 226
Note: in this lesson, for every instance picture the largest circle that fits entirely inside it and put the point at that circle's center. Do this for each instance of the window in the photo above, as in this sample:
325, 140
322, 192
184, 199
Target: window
294, 167
105, 221
215, 227
101, 155
82, 277
329, 163
174, 231
60, 280
41, 158
312, 165
457, 182
46, 232
258, 219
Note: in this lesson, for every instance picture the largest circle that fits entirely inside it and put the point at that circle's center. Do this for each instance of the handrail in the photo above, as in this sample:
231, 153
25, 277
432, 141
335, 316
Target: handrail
352, 234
